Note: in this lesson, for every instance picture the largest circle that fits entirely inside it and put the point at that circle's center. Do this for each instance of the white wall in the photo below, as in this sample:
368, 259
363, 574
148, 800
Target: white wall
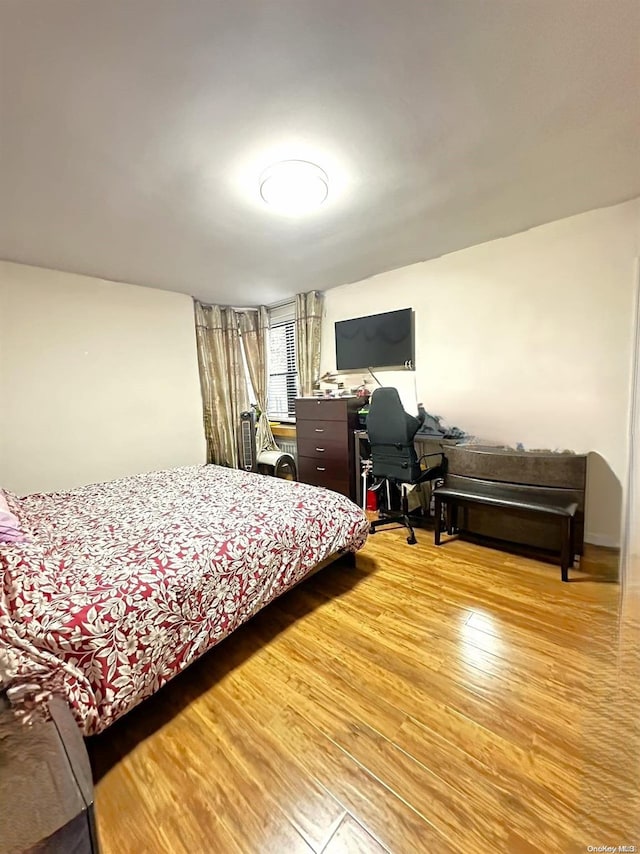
525, 339
97, 380
631, 539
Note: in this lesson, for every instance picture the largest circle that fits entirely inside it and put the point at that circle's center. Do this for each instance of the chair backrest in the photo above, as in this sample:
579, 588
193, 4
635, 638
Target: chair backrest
391, 431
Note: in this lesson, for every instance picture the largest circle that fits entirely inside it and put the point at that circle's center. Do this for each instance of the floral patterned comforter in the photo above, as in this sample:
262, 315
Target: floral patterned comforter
123, 584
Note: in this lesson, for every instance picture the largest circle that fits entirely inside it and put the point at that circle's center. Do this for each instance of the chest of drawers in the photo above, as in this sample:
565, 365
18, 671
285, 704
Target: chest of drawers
324, 436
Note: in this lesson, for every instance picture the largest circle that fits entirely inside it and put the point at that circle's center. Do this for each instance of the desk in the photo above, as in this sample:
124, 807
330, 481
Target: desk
423, 444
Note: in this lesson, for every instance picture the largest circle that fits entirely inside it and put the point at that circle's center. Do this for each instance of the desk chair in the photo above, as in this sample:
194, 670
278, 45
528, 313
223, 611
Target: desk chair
391, 431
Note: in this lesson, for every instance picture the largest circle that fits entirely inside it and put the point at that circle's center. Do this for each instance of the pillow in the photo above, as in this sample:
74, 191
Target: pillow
10, 531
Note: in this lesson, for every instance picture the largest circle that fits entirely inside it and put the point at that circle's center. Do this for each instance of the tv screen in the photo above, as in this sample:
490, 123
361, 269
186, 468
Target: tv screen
377, 341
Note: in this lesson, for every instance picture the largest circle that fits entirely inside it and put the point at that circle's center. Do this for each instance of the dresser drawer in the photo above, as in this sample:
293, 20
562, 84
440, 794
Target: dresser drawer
321, 431
320, 409
331, 475
312, 469
324, 449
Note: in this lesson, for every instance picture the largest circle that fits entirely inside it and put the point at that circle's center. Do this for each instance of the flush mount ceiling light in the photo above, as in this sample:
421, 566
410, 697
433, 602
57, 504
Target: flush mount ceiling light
294, 186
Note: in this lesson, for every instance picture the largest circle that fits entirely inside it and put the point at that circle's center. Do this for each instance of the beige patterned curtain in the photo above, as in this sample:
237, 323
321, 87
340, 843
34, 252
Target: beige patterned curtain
308, 325
222, 380
254, 328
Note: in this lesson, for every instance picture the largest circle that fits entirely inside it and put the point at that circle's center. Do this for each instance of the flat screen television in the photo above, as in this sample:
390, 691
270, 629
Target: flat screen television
377, 341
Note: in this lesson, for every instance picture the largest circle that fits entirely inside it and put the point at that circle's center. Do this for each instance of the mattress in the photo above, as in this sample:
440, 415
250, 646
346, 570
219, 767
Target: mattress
121, 585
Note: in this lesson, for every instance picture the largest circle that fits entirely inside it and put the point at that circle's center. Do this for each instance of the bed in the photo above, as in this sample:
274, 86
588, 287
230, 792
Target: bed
121, 585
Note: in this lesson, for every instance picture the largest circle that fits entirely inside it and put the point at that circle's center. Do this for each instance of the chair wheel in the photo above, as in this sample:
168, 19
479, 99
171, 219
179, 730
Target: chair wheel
372, 530
412, 540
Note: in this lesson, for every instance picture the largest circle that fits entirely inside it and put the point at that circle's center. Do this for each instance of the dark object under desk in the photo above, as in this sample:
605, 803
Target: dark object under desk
423, 442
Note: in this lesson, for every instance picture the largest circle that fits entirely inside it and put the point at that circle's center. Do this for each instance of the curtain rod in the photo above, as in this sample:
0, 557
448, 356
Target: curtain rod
291, 299
232, 307
281, 302
286, 301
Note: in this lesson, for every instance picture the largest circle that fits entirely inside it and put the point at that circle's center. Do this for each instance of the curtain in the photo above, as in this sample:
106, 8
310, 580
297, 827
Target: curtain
222, 380
254, 328
308, 326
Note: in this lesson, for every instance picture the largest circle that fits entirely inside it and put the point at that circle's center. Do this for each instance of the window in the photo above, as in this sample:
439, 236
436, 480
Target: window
283, 368
251, 395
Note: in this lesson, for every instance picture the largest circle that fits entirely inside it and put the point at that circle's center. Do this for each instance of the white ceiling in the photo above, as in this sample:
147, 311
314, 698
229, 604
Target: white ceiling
134, 132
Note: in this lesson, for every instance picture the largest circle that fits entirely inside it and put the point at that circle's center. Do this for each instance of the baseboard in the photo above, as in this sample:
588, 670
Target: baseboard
605, 540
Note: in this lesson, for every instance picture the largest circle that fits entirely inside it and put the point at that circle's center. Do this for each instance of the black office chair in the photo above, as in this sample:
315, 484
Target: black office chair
391, 431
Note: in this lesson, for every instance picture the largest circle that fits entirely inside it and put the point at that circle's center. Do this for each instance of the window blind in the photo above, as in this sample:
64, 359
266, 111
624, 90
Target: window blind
284, 313
283, 369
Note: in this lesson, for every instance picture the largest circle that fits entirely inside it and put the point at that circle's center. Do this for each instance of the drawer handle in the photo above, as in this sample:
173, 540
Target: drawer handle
320, 450
320, 468
319, 429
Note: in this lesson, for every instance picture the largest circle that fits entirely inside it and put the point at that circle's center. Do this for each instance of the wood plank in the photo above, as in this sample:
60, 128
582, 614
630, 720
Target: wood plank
352, 838
475, 824
309, 807
379, 644
385, 816
425, 700
283, 431
541, 795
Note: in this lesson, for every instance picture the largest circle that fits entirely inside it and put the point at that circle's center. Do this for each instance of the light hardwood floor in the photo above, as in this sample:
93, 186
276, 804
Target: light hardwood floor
427, 700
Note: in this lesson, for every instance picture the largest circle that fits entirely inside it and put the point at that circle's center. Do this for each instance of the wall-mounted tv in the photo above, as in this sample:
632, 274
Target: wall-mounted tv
377, 341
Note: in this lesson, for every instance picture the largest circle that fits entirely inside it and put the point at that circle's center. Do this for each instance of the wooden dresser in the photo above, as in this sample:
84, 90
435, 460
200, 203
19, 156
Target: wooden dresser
324, 431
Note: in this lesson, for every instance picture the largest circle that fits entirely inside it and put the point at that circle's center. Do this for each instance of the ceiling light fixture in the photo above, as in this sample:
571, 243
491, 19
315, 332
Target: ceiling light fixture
294, 186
